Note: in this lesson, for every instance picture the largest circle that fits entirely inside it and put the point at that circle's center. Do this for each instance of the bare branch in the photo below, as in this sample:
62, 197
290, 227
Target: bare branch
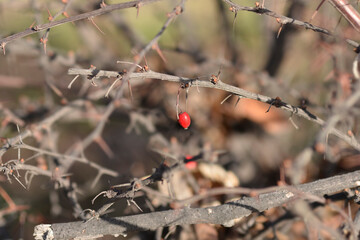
301, 112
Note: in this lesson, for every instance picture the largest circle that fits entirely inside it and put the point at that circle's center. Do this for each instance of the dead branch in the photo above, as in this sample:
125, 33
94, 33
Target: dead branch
223, 214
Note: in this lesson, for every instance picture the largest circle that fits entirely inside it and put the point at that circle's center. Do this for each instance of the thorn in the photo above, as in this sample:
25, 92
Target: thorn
93, 22
138, 9
222, 102
280, 29
132, 201
282, 23
56, 90
157, 49
218, 75
146, 66
316, 11
269, 107
105, 147
18, 180
125, 62
277, 102
66, 14
293, 123
72, 81
102, 4
112, 86
99, 194
32, 25
3, 44
44, 41
237, 101
50, 18
18, 129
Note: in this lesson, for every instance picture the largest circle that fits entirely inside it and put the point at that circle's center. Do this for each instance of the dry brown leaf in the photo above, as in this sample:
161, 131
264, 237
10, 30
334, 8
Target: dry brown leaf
217, 173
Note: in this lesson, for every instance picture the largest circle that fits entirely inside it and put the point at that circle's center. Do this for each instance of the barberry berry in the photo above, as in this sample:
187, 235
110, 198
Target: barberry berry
184, 120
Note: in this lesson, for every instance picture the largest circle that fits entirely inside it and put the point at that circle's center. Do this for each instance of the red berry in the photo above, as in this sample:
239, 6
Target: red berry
184, 120
191, 165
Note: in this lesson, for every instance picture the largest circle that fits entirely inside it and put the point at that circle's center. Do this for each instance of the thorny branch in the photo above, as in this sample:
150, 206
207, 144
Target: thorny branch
46, 26
285, 20
223, 214
242, 93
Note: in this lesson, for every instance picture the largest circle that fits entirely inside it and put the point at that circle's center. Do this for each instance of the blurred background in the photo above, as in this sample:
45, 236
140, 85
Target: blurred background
258, 148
